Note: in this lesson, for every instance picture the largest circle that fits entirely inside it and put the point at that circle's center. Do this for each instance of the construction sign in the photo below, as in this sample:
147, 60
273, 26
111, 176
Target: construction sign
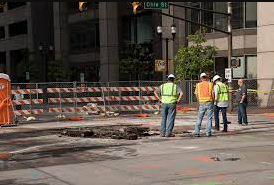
160, 65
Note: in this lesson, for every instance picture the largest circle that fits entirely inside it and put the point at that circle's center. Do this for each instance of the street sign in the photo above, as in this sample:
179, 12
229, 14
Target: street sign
82, 77
27, 75
155, 5
228, 74
160, 65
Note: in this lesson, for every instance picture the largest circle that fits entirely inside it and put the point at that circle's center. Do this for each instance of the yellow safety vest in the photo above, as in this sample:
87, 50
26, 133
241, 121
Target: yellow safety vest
169, 93
223, 92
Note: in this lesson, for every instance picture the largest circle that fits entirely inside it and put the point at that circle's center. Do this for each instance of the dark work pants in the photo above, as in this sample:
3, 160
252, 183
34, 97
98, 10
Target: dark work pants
216, 117
242, 117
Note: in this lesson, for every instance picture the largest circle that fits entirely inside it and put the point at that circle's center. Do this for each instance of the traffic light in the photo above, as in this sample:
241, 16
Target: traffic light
135, 5
82, 6
2, 4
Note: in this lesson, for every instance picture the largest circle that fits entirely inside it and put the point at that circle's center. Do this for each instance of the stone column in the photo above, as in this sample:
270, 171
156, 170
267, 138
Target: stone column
61, 31
109, 49
265, 51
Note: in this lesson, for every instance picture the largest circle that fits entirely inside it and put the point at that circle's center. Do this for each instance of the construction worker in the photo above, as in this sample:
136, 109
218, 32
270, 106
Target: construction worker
225, 81
170, 95
204, 95
241, 97
220, 102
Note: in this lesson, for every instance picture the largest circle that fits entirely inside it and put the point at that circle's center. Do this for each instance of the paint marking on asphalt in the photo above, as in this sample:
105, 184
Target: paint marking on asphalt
35, 174
203, 158
145, 166
209, 183
185, 147
225, 154
193, 172
265, 163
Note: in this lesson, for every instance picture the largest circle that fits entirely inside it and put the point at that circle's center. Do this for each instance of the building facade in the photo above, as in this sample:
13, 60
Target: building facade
90, 43
24, 26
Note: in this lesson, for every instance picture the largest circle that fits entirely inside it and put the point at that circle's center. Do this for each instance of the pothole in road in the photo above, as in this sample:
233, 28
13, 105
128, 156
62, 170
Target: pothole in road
226, 159
113, 132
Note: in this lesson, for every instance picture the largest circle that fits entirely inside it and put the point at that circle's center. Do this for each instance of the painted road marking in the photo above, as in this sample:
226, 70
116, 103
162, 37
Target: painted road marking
265, 163
185, 147
203, 158
226, 154
209, 183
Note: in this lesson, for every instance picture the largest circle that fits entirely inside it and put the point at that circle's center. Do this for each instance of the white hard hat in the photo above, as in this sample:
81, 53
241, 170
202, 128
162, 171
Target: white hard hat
216, 77
203, 75
171, 76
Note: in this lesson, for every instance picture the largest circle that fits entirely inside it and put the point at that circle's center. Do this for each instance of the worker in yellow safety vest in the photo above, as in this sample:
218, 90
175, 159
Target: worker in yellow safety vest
204, 94
169, 94
220, 102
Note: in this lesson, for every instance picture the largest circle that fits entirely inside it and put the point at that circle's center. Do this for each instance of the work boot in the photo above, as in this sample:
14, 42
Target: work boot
162, 135
170, 135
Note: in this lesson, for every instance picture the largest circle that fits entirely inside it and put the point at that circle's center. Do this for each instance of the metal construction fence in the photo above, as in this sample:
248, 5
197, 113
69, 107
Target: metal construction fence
123, 97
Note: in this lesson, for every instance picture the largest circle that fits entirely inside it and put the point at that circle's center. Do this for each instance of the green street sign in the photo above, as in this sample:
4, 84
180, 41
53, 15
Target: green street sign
155, 5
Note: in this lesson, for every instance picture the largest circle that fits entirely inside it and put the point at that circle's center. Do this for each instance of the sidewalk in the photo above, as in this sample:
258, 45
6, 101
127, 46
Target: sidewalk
184, 122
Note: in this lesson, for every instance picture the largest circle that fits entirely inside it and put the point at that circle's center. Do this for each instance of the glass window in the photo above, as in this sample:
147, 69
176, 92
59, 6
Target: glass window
239, 72
13, 5
83, 36
207, 17
219, 19
237, 15
18, 28
250, 14
144, 28
251, 62
2, 32
2, 62
195, 16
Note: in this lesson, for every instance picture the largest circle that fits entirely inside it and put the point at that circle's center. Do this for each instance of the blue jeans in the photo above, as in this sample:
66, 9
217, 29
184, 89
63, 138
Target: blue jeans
168, 115
203, 108
216, 116
242, 117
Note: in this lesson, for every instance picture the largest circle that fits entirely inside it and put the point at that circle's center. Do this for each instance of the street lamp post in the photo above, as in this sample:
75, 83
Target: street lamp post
173, 32
44, 54
230, 49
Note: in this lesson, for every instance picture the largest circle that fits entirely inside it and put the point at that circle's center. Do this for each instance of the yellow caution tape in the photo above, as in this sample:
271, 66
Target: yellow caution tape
254, 91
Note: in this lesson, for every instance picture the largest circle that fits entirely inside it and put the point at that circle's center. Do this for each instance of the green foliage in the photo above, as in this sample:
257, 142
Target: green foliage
57, 72
192, 60
135, 60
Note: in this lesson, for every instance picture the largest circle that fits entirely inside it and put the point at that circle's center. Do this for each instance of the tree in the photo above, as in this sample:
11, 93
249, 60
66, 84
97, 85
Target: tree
192, 60
136, 61
57, 72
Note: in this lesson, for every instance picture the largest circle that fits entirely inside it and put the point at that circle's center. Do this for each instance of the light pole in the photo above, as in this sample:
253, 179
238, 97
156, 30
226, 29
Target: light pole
230, 49
44, 54
167, 39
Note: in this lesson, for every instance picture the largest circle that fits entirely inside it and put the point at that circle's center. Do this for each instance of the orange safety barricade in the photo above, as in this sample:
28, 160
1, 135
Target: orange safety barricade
6, 115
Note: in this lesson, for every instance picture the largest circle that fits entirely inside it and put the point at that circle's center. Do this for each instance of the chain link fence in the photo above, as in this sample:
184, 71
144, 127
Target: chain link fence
89, 98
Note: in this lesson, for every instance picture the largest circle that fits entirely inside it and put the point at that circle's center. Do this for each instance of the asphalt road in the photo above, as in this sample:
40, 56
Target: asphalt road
45, 158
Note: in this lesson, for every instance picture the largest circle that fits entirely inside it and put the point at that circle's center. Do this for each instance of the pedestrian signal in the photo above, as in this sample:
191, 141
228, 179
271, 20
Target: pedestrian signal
235, 62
